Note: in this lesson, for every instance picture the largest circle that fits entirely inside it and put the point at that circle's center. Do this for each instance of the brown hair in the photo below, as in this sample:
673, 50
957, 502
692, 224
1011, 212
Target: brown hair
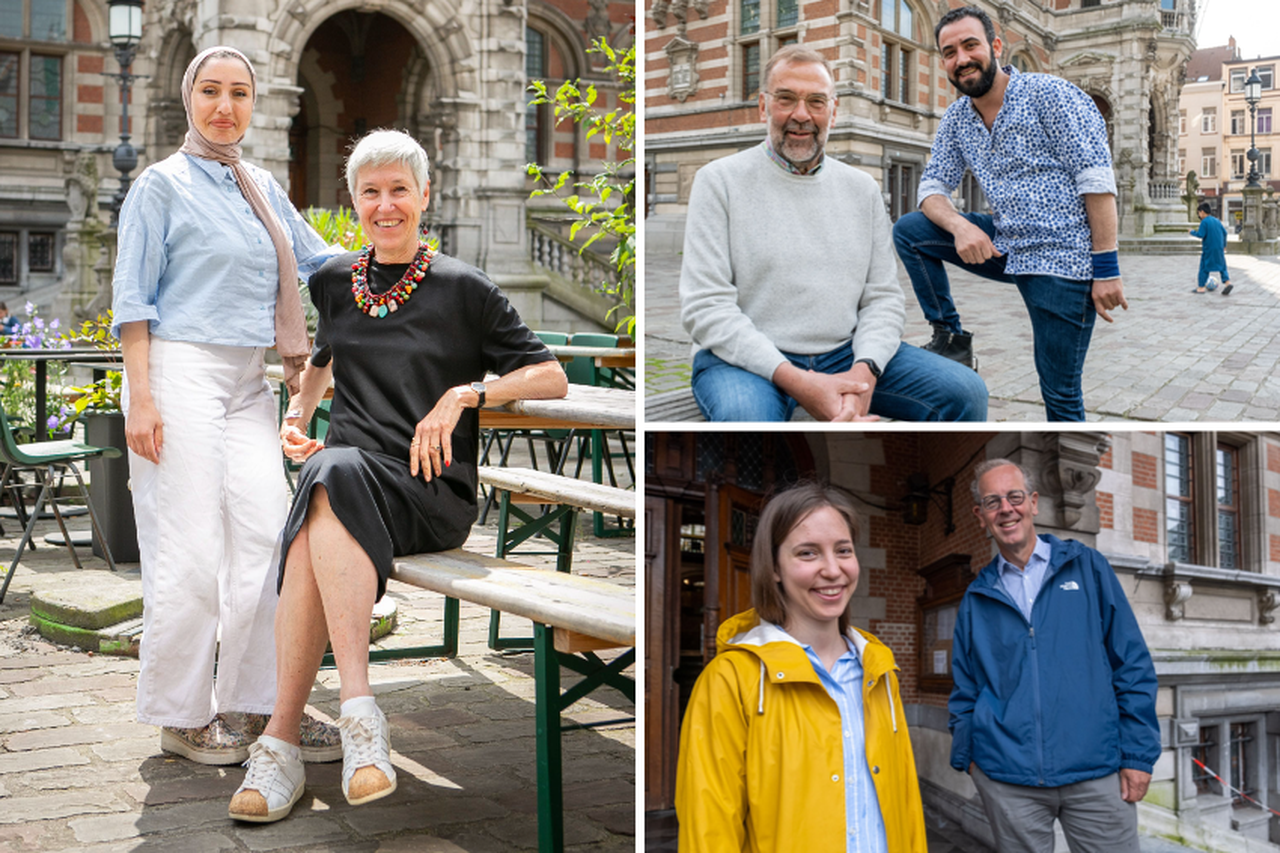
781, 515
797, 53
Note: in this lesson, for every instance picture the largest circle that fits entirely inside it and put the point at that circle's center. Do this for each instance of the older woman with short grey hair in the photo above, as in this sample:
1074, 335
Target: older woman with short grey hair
407, 336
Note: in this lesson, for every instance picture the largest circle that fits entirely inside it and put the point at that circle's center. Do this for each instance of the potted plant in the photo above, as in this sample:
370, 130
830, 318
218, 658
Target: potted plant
97, 405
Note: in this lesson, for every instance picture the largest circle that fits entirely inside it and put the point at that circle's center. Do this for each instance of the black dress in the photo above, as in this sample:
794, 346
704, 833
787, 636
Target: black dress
388, 373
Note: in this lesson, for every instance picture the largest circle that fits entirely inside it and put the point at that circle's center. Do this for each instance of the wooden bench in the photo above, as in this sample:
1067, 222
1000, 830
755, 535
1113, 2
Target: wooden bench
573, 617
519, 487
677, 405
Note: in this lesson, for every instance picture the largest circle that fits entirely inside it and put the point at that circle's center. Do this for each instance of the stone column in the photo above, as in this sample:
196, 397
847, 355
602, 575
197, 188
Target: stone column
1252, 230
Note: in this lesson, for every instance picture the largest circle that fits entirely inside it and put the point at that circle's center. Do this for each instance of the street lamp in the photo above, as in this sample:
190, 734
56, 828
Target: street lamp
124, 27
1253, 94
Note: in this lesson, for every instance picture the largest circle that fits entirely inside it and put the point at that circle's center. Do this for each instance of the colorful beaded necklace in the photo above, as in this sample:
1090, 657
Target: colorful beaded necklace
378, 305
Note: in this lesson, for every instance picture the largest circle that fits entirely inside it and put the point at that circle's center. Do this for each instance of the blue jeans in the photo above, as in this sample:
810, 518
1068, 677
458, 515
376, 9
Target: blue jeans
915, 386
1061, 309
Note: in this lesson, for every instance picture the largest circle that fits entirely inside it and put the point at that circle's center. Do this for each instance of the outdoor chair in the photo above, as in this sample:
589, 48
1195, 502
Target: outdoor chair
49, 462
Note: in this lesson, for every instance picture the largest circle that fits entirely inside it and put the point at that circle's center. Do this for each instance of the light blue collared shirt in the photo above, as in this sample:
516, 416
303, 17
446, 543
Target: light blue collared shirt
1023, 585
196, 262
864, 825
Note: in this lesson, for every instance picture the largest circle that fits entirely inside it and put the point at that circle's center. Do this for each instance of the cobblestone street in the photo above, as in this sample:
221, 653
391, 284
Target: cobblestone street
1173, 356
78, 773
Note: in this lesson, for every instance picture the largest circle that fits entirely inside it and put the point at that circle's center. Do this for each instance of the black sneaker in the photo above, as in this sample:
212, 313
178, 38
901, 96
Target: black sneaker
957, 346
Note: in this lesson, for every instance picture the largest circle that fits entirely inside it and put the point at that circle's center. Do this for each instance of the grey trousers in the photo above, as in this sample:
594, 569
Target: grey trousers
1094, 817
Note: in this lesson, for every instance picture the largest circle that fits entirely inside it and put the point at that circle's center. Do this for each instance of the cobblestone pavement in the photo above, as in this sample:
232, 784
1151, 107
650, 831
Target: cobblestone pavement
77, 772
1173, 356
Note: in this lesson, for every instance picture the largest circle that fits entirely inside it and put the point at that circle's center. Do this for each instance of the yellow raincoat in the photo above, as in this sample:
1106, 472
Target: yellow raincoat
761, 758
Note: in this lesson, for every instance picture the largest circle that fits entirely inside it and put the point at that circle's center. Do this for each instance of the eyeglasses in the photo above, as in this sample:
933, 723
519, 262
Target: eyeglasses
788, 101
991, 503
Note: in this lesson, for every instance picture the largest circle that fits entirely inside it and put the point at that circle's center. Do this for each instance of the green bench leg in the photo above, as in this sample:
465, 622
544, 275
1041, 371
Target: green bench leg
565, 517
446, 649
546, 667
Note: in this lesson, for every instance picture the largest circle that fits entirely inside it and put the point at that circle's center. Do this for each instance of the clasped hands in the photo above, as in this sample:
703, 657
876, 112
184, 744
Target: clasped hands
832, 397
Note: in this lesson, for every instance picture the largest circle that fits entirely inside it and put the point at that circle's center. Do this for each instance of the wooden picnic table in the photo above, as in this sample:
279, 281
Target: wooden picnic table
603, 356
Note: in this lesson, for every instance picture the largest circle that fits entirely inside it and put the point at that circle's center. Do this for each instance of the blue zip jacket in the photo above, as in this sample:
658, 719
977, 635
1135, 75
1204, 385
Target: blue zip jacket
1066, 697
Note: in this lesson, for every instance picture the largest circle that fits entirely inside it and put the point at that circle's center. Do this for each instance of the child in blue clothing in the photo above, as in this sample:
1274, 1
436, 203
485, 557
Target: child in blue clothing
1213, 257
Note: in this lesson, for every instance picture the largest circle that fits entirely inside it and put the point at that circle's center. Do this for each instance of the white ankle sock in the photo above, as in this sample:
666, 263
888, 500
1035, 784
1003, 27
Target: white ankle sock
281, 746
359, 706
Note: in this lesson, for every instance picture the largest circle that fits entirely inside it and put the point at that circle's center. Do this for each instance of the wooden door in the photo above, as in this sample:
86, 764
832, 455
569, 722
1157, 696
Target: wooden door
661, 650
732, 513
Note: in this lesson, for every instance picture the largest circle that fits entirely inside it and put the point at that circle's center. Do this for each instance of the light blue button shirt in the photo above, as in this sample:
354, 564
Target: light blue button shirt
864, 825
196, 262
1023, 585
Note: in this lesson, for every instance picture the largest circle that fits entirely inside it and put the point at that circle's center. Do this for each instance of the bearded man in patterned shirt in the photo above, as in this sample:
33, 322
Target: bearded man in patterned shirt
1038, 147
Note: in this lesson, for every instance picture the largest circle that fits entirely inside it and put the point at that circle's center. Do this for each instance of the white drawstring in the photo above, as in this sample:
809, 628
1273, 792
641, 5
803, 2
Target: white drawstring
893, 714
764, 676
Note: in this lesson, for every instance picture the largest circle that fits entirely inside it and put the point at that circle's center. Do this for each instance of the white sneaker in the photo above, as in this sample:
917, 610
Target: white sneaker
367, 773
272, 785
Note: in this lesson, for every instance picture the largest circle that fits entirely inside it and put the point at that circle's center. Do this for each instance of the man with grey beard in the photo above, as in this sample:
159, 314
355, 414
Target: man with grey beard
788, 285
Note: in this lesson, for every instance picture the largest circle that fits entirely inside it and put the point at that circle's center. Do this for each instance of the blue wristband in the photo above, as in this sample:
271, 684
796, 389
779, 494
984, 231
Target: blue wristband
1106, 265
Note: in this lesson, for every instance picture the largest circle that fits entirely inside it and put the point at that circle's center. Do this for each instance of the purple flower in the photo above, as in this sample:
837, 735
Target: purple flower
38, 322
53, 422
30, 307
55, 324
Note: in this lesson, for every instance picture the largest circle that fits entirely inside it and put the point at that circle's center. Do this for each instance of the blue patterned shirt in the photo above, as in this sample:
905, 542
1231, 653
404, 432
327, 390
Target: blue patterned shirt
864, 824
1046, 148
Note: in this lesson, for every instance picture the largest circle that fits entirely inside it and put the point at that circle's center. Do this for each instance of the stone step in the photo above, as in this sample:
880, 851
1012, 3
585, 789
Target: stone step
106, 615
1160, 246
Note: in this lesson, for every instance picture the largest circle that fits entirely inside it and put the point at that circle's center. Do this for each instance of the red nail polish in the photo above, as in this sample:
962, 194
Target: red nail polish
448, 462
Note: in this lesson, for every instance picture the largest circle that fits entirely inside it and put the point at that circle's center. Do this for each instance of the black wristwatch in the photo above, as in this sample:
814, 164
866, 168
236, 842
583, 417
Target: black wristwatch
478, 387
871, 365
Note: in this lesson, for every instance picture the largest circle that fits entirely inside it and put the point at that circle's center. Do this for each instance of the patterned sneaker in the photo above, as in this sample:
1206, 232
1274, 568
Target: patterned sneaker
321, 742
272, 785
217, 743
367, 773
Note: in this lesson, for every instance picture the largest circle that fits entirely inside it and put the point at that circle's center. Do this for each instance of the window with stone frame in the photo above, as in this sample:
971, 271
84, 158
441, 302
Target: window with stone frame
1178, 501
764, 27
1267, 74
8, 257
903, 181
1238, 124
1208, 162
40, 245
1229, 759
32, 74
1239, 164
898, 43
1214, 499
1209, 120
1182, 161
1182, 122
535, 68
1264, 162
1238, 76
1264, 120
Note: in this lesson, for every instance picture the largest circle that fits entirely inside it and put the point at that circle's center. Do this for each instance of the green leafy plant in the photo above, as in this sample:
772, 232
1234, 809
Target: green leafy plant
605, 204
336, 227
102, 396
17, 377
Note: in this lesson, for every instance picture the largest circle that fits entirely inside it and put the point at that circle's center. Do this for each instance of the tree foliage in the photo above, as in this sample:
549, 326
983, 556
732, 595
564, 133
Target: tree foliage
604, 204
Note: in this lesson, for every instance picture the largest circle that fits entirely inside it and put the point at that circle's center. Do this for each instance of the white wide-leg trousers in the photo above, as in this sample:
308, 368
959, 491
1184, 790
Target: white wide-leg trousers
209, 519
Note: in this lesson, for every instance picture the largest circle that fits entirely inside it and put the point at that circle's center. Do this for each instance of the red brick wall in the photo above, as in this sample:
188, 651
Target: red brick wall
1105, 460
1273, 503
1275, 548
1106, 509
1144, 470
1273, 457
1146, 525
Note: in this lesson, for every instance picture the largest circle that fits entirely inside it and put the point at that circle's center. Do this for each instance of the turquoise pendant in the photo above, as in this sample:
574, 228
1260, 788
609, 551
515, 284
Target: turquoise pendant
382, 311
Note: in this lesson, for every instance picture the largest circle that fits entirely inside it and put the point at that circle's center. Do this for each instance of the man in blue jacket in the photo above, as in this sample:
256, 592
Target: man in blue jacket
1053, 710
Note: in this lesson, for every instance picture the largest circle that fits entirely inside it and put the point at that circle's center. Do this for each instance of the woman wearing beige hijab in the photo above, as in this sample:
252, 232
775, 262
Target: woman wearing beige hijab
206, 277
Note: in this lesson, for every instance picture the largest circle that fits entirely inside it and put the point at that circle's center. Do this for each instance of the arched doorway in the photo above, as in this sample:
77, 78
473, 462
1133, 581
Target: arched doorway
356, 72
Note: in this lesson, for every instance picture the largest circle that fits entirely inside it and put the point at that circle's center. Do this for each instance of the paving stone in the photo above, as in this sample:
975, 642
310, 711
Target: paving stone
25, 762
108, 601
54, 684
418, 844
70, 735
30, 721
60, 805
428, 811
129, 749
46, 703
298, 831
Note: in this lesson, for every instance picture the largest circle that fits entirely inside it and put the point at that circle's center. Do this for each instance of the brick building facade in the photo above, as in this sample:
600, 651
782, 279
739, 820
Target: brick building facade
1189, 521
453, 76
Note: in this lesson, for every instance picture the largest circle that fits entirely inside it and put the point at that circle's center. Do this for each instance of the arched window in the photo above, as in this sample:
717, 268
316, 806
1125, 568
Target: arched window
897, 50
1022, 62
31, 70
